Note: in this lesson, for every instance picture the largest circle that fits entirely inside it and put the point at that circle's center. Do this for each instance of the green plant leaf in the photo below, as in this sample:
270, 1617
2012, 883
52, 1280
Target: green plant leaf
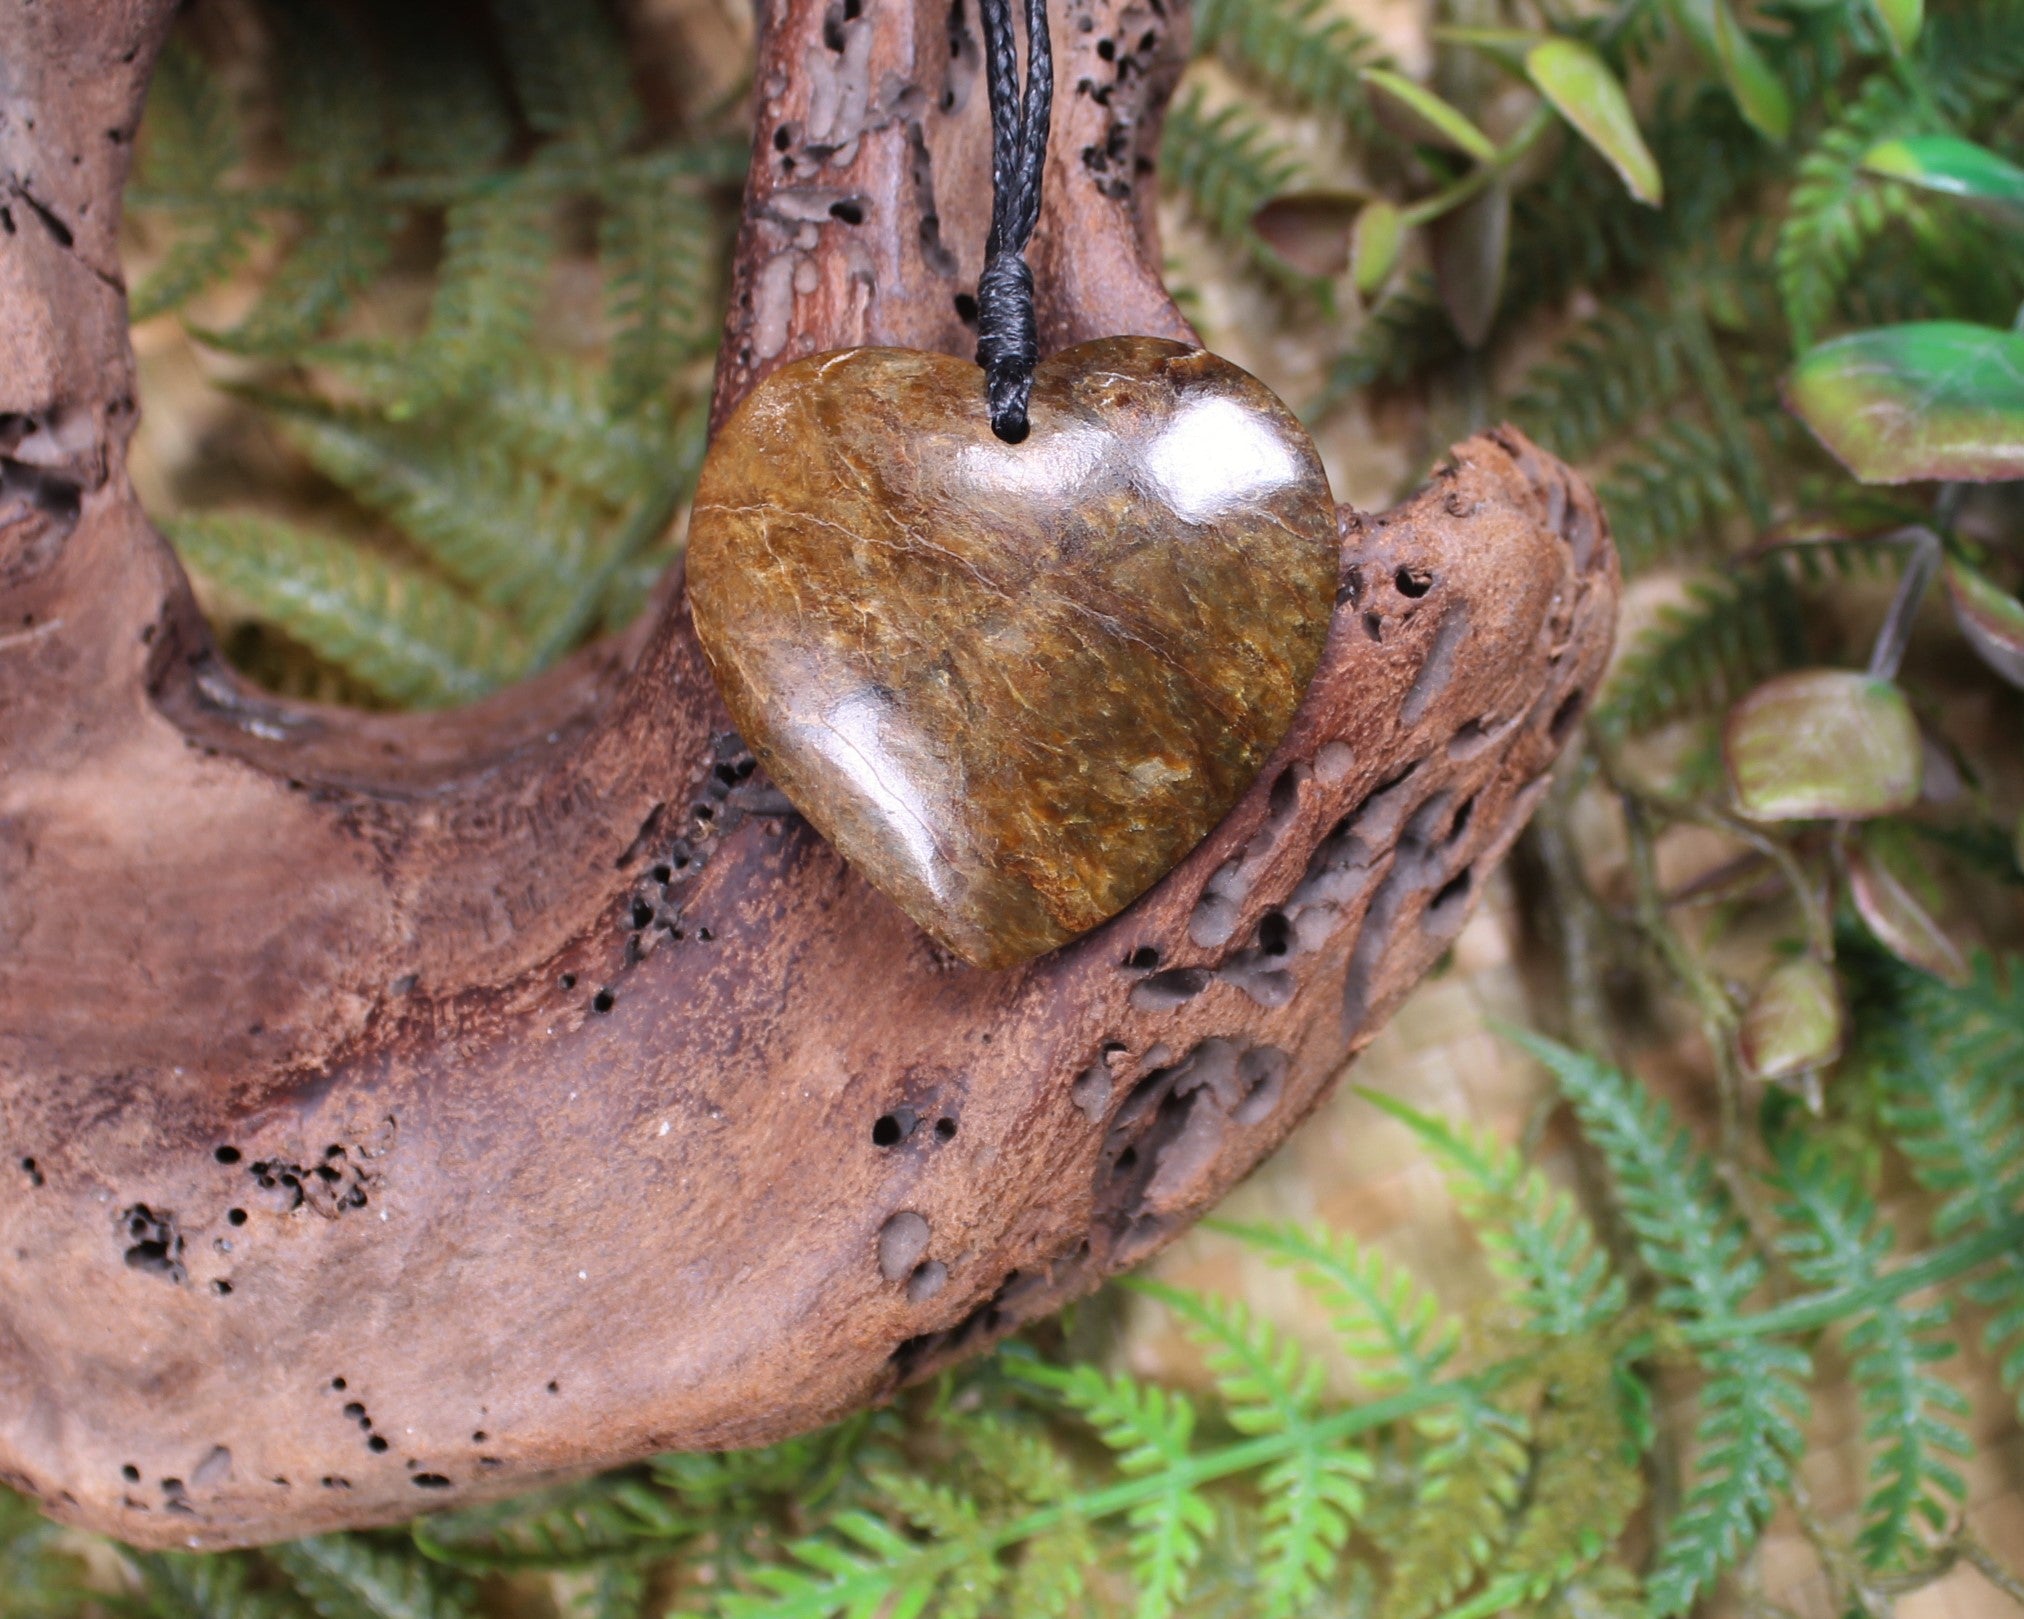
1951, 166
1902, 20
1931, 399
1472, 250
1823, 744
1794, 1022
1587, 94
403, 633
1375, 242
1882, 885
1755, 84
1990, 618
1507, 47
349, 1577
1423, 116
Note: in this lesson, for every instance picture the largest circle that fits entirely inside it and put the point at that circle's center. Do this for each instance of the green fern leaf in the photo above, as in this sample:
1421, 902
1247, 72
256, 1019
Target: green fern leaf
189, 145
1668, 492
1052, 1579
658, 246
405, 635
1302, 51
1469, 1482
1614, 370
1607, 1591
448, 109
489, 289
1312, 1496
1835, 1238
1539, 1243
1149, 1429
1586, 1481
499, 530
45, 1576
1228, 167
1754, 1403
1751, 1430
1700, 655
861, 1568
556, 1527
570, 72
1835, 209
1406, 335
614, 1590
349, 1577
1391, 1329
328, 265
1947, 1073
214, 1586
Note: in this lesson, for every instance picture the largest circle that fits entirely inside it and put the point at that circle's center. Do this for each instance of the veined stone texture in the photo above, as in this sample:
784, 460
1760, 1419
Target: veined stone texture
1013, 683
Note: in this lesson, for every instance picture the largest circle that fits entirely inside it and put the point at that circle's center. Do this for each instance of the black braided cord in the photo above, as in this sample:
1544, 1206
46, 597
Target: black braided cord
1007, 347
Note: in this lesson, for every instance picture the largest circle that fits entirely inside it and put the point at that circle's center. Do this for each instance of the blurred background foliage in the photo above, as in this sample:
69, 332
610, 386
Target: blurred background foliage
426, 301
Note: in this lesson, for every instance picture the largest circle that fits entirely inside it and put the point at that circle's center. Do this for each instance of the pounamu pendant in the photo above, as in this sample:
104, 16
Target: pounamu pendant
1013, 684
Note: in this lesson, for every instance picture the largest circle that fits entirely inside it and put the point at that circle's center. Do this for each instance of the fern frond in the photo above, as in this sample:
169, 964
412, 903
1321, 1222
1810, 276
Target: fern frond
190, 144
1835, 1237
328, 265
447, 107
407, 636
181, 1586
1750, 1434
349, 1577
1302, 51
489, 287
1586, 1480
1392, 1329
498, 529
45, 1576
1228, 167
558, 415
1952, 1102
572, 1523
1469, 1482
1406, 334
613, 1590
1754, 1403
1149, 1429
1538, 1242
1672, 489
1607, 1591
1731, 632
1052, 1578
1835, 209
1313, 1495
1611, 372
658, 246
570, 73
1686, 1229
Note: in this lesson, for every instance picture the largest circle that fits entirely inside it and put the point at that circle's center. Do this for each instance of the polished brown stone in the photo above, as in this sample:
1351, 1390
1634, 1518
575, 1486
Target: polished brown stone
1013, 684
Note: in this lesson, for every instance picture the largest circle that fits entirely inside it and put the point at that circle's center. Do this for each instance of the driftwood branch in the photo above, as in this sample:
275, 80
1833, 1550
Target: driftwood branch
401, 1109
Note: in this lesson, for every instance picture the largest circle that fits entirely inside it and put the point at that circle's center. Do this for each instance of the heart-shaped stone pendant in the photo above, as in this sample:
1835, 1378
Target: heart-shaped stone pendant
1013, 684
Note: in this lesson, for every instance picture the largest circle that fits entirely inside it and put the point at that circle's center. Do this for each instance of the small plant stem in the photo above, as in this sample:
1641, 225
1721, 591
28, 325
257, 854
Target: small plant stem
650, 520
1724, 409
1801, 1315
1984, 1563
1478, 179
1894, 635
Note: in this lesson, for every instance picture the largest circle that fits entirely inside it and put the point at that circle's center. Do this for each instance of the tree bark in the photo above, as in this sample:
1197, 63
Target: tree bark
399, 1110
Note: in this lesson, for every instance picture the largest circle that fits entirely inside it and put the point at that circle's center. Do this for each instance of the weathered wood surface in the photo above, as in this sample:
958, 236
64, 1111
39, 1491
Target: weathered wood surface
398, 1110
